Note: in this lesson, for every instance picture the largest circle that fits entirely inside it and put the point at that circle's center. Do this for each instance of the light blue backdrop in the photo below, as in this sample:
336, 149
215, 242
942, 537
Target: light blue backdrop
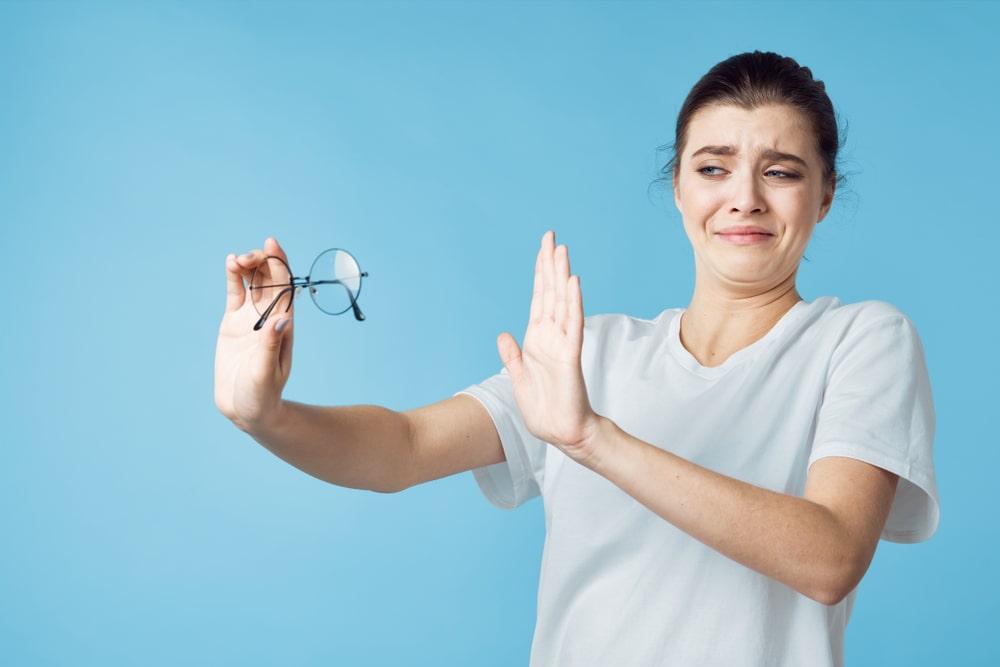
140, 143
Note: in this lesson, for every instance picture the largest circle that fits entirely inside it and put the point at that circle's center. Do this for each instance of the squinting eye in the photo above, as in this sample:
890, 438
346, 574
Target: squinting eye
781, 174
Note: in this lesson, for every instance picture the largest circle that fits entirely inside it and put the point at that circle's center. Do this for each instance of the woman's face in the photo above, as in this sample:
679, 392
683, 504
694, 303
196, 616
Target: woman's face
732, 173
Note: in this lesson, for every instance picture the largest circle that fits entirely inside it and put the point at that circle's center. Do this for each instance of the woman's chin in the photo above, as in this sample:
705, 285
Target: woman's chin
746, 272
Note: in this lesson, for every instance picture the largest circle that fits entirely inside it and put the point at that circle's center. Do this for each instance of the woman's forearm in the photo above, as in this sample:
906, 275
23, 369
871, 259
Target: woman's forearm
790, 539
357, 446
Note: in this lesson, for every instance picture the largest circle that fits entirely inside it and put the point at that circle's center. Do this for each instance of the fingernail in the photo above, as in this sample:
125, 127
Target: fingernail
249, 255
280, 326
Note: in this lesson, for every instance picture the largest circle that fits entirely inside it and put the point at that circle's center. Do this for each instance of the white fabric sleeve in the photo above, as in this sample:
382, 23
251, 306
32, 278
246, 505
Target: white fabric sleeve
878, 408
510, 483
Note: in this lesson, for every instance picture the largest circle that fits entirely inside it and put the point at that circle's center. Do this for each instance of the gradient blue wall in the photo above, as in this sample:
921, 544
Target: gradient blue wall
140, 143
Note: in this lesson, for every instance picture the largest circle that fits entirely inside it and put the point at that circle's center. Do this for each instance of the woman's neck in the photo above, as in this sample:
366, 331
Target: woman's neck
714, 327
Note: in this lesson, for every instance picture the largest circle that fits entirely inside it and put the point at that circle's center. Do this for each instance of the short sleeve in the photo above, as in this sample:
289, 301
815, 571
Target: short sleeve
878, 408
510, 483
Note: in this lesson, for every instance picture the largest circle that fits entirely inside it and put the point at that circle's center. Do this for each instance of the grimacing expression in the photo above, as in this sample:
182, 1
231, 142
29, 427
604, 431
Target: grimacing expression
739, 167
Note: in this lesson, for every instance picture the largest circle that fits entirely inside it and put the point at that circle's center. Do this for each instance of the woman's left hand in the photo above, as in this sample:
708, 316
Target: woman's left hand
547, 377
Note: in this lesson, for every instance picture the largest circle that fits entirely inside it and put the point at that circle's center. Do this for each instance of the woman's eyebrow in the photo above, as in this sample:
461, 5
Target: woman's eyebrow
768, 154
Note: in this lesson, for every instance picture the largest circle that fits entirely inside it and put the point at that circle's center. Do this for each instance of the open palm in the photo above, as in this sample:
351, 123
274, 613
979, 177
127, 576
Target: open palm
547, 376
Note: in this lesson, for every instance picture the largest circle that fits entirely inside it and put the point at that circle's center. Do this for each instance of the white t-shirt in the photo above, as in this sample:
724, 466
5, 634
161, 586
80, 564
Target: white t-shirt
620, 585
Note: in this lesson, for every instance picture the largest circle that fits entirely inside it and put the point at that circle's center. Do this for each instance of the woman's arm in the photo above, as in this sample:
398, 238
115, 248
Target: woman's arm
357, 446
821, 544
378, 449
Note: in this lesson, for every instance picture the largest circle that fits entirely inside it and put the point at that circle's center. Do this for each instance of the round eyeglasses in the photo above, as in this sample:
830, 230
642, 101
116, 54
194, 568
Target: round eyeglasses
334, 284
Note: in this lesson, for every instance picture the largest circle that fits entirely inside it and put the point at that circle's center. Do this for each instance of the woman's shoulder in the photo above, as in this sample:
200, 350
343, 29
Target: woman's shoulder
861, 314
856, 328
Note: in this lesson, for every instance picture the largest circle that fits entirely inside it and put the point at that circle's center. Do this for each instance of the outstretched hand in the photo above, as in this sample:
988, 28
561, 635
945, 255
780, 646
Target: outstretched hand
252, 367
547, 376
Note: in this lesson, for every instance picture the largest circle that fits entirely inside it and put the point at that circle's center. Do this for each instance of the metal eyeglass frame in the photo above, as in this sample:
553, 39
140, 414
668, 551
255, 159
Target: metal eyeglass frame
296, 283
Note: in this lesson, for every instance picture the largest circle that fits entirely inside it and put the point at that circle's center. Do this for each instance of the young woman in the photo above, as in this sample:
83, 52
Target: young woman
715, 480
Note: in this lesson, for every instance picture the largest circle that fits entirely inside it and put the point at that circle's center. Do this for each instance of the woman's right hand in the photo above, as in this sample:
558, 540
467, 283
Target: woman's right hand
251, 367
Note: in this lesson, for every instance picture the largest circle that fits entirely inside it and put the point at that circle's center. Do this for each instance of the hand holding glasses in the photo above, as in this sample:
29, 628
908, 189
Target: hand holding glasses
334, 284
253, 361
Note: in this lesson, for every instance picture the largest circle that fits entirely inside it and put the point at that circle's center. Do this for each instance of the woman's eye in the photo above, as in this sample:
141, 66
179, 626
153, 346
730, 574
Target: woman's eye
781, 175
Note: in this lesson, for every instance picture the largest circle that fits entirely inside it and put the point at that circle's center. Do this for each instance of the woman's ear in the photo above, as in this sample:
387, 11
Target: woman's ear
677, 192
827, 201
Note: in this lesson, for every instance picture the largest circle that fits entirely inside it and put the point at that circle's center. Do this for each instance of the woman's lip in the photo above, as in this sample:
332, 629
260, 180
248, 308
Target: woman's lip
746, 239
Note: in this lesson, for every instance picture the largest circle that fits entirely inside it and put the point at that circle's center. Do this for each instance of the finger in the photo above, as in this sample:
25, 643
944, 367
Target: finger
272, 247
536, 294
548, 273
285, 353
250, 260
510, 355
561, 276
272, 340
286, 307
247, 264
256, 260
235, 290
574, 323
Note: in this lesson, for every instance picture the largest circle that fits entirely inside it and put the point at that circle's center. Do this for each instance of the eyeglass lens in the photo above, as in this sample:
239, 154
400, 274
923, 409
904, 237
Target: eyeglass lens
334, 279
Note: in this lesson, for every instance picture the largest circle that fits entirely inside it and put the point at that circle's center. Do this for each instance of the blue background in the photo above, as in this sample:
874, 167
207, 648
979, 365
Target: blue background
141, 143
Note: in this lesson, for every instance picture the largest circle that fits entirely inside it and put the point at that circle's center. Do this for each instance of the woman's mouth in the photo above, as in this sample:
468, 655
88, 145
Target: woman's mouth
746, 239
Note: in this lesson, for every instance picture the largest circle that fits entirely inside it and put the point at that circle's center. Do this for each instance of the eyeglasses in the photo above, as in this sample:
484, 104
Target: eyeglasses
334, 284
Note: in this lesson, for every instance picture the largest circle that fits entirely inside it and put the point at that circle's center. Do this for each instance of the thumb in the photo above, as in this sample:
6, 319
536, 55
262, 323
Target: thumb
273, 335
510, 354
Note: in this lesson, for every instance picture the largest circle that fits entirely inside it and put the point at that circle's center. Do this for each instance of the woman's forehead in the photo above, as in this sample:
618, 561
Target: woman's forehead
772, 127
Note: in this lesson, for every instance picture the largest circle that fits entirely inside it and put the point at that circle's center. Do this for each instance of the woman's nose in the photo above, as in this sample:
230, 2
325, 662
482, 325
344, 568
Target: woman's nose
747, 197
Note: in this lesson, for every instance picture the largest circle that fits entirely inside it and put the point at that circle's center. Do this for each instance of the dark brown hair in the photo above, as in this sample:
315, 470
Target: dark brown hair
754, 79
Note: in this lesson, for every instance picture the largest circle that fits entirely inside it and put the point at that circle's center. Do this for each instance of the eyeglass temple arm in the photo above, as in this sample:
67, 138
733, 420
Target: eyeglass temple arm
358, 315
263, 317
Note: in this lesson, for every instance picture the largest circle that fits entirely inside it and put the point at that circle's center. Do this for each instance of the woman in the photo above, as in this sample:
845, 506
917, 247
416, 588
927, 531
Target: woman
716, 479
